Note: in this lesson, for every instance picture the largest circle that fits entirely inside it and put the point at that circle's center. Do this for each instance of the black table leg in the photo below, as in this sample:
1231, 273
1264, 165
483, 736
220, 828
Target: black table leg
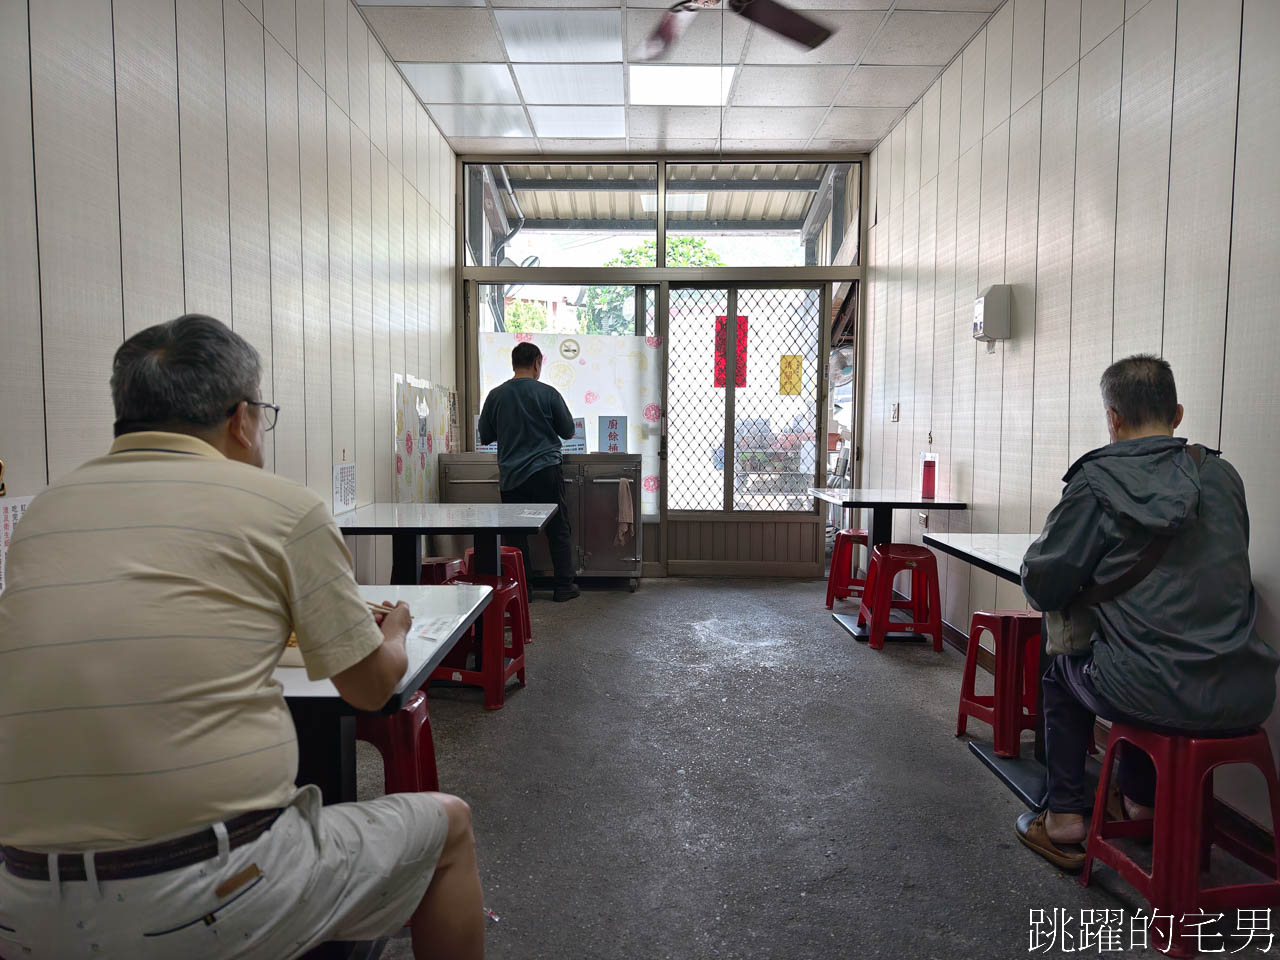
881, 526
488, 556
326, 750
881, 532
406, 558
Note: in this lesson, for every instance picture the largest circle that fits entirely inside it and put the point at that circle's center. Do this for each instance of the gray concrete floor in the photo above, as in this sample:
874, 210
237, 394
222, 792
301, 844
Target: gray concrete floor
715, 769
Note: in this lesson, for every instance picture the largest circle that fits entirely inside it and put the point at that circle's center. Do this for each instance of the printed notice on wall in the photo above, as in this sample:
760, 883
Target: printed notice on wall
578, 442
11, 511
613, 434
483, 447
344, 487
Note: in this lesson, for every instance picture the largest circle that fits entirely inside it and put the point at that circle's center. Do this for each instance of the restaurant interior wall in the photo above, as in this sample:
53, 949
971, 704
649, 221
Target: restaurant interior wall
261, 163
1113, 163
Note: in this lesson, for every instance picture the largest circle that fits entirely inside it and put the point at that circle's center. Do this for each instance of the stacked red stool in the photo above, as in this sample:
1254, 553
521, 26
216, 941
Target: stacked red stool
512, 569
1183, 830
1012, 708
404, 740
438, 570
841, 582
501, 656
887, 561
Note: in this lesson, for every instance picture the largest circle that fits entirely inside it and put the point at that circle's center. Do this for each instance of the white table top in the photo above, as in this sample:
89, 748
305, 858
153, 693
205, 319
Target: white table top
882, 497
440, 616
454, 518
999, 553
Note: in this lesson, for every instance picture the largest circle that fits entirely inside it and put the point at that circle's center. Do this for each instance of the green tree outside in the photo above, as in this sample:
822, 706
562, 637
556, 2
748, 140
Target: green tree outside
525, 316
603, 310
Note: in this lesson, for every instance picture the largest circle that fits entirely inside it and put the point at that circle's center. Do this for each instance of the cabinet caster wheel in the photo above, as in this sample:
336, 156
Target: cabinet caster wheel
632, 584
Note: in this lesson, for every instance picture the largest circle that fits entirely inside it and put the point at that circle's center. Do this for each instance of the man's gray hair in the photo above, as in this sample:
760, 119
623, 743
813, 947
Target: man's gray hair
190, 371
1141, 390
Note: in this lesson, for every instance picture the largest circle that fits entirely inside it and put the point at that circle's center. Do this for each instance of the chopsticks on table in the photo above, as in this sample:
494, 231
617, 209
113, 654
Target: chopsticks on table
383, 608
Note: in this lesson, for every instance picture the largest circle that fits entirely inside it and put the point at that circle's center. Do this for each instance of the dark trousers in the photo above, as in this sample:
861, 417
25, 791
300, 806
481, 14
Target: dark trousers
1070, 705
546, 486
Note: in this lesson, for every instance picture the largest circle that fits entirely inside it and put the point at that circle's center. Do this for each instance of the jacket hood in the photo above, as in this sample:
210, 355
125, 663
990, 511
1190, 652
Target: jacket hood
1152, 482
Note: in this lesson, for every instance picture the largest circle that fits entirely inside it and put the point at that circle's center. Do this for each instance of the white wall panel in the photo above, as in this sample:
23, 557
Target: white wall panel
21, 381
973, 71
317, 375
949, 114
377, 96
931, 106
1028, 51
1142, 188
310, 14
999, 69
873, 187
394, 94
73, 110
1201, 162
1098, 19
278, 18
1093, 247
358, 69
945, 329
1019, 350
247, 172
336, 13
383, 392
924, 347
426, 159
411, 333
341, 335
409, 111
884, 179
202, 115
897, 166
427, 295
1061, 37
1251, 391
149, 166
1052, 377
395, 257
285, 221
892, 340
908, 259
912, 151
362, 313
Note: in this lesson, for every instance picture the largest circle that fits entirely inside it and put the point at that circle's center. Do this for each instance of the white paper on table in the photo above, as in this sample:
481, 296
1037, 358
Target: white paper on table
11, 511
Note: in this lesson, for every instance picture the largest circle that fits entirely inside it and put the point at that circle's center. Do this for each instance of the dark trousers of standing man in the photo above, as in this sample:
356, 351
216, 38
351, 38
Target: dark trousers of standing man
546, 486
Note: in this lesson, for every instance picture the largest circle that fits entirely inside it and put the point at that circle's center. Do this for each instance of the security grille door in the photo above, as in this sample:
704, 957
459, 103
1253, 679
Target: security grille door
743, 371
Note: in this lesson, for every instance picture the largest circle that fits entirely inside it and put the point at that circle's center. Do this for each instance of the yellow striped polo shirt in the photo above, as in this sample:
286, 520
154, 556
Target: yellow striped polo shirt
149, 596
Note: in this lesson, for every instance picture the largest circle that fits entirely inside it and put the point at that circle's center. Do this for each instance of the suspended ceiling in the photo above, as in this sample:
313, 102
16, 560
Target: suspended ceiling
558, 76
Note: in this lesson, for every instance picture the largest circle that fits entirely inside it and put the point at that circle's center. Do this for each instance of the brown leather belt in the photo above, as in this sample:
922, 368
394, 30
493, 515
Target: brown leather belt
141, 861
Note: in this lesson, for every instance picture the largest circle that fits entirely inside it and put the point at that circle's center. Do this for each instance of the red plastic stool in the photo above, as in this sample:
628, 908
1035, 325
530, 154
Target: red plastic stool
1183, 830
887, 561
1012, 708
404, 740
841, 582
438, 570
502, 656
512, 569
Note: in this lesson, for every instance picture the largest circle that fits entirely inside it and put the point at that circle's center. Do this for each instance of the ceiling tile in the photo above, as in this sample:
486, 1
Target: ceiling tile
504, 145
579, 122
472, 121
772, 123
759, 86
765, 146
422, 3
461, 82
607, 4
843, 146
681, 123
651, 145
679, 84
985, 6
914, 37
700, 43
853, 31
436, 34
562, 36
886, 86
858, 123
561, 145
570, 82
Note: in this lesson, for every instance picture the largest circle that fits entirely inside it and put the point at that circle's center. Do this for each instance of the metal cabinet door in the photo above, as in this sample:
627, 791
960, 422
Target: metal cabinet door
469, 482
603, 555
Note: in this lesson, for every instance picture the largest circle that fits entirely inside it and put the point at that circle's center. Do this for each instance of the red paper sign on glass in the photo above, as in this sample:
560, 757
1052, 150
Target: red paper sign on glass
740, 375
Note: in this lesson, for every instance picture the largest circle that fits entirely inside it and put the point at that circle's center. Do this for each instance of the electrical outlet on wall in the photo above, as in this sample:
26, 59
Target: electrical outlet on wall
896, 410
924, 520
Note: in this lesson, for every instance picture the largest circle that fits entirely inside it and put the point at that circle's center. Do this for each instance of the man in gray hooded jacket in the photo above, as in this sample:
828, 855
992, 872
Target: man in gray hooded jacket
1178, 650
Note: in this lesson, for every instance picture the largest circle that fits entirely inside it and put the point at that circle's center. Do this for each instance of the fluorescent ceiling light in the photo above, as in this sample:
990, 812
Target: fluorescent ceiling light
579, 122
662, 85
686, 202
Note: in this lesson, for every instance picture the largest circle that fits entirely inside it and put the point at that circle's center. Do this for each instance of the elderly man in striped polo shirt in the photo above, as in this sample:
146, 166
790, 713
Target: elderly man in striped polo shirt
147, 759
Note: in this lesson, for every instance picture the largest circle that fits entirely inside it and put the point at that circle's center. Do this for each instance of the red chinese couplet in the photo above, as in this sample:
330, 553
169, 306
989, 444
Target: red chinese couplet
740, 374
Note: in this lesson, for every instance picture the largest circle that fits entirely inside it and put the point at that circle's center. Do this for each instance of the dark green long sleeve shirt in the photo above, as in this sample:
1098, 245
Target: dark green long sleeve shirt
528, 419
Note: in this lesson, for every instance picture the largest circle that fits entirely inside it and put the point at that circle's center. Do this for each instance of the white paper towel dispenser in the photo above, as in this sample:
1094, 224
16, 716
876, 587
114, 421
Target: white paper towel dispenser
991, 314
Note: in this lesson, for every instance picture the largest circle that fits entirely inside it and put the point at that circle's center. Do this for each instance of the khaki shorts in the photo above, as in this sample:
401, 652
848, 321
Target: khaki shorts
352, 871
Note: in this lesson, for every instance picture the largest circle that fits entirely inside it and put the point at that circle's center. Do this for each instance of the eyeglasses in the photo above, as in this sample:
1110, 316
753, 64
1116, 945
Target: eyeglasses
269, 411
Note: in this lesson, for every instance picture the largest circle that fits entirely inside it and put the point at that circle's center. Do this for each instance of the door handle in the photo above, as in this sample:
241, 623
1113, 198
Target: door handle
447, 480
608, 480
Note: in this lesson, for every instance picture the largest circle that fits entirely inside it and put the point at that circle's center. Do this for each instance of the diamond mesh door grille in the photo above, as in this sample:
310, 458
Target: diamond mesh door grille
695, 406
776, 411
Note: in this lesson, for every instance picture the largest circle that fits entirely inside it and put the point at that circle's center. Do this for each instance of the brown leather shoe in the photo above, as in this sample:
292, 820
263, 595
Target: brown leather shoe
1033, 833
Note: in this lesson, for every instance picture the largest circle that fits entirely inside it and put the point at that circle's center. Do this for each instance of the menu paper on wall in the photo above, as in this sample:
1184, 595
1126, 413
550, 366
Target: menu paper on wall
11, 511
344, 487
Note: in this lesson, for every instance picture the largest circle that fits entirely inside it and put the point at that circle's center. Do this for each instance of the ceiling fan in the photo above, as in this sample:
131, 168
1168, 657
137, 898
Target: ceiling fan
767, 13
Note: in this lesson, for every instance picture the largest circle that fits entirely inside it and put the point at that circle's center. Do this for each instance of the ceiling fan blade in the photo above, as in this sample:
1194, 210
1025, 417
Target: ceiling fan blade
782, 20
674, 22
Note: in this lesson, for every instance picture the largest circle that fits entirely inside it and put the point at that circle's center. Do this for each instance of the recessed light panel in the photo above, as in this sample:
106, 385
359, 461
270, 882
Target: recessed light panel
461, 82
562, 36
570, 82
471, 121
662, 85
593, 122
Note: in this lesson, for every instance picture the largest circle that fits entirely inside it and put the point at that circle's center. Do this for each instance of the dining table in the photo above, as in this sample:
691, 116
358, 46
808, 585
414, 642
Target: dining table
881, 501
1001, 554
407, 523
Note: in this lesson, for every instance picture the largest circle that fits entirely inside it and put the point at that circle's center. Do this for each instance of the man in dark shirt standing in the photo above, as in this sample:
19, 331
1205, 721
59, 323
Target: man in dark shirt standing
528, 419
